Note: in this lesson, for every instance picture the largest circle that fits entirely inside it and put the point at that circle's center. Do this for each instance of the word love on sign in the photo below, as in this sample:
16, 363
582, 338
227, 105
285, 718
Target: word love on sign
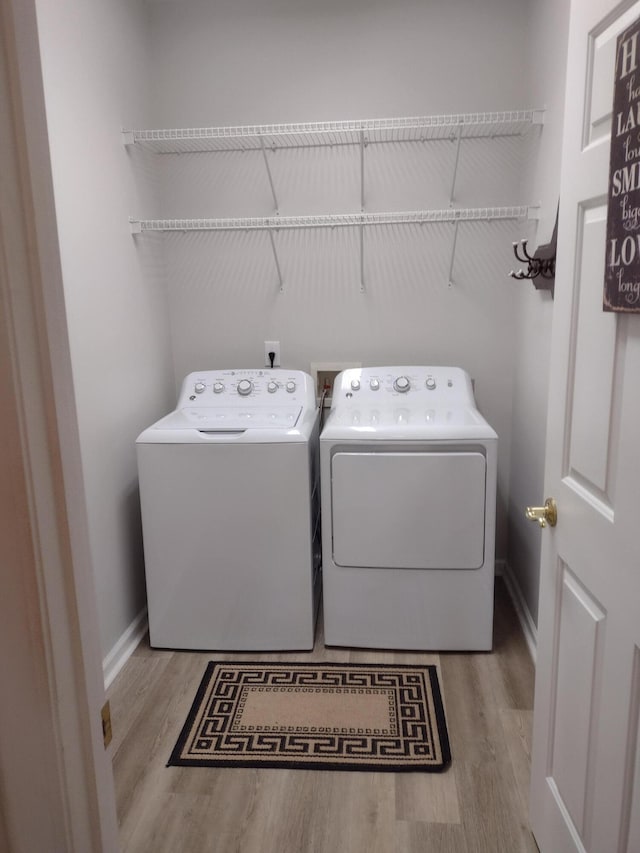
622, 262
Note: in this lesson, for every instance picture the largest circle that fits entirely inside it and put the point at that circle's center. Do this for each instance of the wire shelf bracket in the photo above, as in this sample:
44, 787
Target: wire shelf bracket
455, 165
453, 251
362, 259
276, 261
269, 175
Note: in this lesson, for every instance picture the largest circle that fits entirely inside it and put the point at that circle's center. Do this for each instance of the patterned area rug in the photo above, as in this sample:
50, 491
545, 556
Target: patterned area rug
316, 716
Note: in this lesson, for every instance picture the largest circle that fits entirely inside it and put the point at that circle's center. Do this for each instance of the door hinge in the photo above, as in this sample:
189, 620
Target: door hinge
107, 734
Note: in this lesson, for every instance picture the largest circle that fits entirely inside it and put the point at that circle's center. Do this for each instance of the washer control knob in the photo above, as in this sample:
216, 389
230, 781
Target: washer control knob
374, 384
218, 387
245, 387
430, 383
272, 387
290, 386
355, 384
402, 384
199, 387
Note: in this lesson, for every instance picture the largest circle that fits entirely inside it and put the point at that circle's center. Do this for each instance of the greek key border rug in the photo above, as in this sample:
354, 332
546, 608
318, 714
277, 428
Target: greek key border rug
316, 716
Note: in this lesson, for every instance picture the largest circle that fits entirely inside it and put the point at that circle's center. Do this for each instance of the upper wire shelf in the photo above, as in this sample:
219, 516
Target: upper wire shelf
276, 223
309, 134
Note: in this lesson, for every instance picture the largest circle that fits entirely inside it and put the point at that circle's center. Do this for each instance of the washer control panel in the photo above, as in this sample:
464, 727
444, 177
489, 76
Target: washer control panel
253, 388
412, 384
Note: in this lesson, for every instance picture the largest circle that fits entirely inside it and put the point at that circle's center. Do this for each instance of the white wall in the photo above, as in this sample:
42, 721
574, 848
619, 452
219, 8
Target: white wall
246, 61
251, 61
95, 67
548, 33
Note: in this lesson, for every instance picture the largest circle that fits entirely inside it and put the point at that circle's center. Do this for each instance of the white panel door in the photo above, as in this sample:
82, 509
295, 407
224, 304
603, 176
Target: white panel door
585, 789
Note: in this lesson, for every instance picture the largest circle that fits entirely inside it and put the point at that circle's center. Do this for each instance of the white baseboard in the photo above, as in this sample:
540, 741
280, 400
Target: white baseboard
124, 648
520, 605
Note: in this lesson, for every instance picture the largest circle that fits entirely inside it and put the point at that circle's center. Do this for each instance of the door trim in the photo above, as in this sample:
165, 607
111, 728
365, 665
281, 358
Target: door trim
59, 792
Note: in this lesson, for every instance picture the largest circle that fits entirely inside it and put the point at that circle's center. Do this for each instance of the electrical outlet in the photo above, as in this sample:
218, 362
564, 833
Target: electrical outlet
272, 346
324, 373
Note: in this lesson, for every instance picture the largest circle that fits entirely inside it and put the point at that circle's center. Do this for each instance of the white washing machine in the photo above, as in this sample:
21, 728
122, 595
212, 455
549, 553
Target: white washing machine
229, 491
408, 473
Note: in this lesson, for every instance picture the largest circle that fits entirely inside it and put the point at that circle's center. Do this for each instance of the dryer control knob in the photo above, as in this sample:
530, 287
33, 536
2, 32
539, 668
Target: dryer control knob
430, 383
355, 384
272, 387
290, 386
199, 387
374, 384
245, 387
218, 387
402, 384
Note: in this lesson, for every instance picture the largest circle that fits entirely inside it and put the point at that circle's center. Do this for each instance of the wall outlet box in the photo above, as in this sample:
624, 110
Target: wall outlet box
323, 374
274, 347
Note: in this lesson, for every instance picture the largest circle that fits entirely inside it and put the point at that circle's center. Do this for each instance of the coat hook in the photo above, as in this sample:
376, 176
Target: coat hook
540, 266
536, 265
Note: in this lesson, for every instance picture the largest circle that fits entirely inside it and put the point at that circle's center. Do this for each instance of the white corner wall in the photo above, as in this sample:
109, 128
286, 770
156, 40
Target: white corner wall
95, 69
142, 313
547, 38
271, 61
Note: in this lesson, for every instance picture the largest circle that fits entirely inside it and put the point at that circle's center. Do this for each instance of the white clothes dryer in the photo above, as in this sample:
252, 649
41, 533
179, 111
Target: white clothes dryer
229, 492
408, 474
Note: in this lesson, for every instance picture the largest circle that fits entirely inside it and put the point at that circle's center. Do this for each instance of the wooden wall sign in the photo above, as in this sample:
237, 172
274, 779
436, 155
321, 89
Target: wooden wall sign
622, 261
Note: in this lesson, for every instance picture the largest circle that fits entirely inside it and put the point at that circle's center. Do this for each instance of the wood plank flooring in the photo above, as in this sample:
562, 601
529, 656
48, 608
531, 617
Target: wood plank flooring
479, 805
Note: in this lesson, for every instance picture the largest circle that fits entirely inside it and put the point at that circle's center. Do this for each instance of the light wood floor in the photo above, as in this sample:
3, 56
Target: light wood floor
479, 805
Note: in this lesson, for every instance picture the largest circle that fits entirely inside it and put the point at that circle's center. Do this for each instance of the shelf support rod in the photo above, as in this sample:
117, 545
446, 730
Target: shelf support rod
453, 251
455, 165
362, 170
361, 258
362, 211
266, 163
275, 258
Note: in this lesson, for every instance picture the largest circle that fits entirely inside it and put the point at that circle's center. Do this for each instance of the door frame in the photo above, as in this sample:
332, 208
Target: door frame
57, 783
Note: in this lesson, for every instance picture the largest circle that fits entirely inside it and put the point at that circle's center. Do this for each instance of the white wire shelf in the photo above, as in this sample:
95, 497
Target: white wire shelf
308, 134
336, 220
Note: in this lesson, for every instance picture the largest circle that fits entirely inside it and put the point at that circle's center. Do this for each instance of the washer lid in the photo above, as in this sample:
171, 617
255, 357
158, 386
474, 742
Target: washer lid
227, 418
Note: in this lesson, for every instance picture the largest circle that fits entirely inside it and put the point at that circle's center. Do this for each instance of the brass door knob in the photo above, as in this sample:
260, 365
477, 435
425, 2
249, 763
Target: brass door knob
547, 514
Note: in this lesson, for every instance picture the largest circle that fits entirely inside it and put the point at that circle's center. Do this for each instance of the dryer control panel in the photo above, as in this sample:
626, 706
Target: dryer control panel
411, 384
253, 389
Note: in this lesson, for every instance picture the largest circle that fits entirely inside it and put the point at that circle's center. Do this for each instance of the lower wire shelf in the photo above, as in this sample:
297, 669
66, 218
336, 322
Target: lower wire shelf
362, 220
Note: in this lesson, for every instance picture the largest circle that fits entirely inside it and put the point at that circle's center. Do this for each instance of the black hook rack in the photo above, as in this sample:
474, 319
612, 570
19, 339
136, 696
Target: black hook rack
546, 267
541, 266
